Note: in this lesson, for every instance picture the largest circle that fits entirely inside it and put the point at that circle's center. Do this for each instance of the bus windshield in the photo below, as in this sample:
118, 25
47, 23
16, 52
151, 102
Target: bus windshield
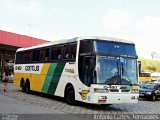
116, 70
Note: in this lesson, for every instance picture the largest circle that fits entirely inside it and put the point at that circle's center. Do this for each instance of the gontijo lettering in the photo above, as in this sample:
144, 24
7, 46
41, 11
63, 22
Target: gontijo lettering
32, 68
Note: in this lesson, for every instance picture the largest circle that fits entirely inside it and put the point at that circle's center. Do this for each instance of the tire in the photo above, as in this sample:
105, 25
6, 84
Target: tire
153, 98
70, 96
27, 87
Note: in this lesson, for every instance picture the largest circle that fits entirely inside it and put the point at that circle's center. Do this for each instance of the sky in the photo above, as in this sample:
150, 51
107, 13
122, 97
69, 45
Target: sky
134, 20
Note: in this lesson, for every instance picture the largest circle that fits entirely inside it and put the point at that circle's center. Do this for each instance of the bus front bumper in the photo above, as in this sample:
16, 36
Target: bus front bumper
113, 98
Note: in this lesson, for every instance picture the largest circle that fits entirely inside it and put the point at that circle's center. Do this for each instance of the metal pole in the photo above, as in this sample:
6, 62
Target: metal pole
1, 65
2, 60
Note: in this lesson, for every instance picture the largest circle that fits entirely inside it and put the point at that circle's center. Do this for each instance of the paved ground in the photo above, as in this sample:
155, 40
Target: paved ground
10, 105
40, 103
58, 104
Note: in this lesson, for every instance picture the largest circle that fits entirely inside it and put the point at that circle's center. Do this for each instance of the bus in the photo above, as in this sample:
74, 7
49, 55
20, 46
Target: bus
144, 77
95, 70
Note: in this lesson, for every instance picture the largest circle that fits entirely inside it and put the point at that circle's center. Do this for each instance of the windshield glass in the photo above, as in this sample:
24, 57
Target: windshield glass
116, 70
149, 85
128, 70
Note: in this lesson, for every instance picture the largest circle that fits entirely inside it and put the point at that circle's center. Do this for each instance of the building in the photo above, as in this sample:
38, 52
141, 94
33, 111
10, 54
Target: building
9, 43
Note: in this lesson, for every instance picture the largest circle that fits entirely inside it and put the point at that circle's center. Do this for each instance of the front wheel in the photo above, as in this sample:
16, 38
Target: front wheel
70, 97
153, 98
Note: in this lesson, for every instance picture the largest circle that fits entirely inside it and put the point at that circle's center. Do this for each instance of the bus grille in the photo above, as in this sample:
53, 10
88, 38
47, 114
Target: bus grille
125, 90
114, 90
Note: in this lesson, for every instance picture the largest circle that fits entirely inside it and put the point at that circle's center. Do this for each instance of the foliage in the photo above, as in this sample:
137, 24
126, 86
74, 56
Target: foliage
149, 65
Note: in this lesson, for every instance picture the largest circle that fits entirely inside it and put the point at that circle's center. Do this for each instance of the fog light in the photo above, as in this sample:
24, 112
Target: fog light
134, 91
134, 97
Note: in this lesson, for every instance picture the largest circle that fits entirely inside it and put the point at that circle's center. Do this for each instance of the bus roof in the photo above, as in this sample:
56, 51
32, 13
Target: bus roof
63, 41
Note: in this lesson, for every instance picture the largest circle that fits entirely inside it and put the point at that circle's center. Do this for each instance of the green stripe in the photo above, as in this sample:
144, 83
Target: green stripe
55, 78
48, 78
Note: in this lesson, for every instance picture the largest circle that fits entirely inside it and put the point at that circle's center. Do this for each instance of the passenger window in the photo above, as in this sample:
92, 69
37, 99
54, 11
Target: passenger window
69, 51
17, 57
66, 53
73, 49
22, 59
53, 54
45, 54
29, 56
59, 53
36, 55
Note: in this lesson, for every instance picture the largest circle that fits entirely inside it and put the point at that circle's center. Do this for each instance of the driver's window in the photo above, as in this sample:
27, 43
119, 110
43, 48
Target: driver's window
88, 73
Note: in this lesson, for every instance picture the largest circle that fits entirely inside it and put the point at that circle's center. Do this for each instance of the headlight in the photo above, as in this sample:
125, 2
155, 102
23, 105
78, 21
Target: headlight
149, 93
134, 91
100, 90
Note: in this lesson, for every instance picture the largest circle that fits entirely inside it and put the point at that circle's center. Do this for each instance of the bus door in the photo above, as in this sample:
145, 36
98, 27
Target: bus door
88, 70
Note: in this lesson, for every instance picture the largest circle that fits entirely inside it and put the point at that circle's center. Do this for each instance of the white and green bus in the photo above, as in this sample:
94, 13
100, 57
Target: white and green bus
96, 70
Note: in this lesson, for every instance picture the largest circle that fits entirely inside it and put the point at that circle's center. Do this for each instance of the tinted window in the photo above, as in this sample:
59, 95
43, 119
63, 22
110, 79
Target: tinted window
36, 55
59, 52
29, 56
149, 85
45, 54
73, 49
69, 51
17, 57
53, 54
86, 46
66, 52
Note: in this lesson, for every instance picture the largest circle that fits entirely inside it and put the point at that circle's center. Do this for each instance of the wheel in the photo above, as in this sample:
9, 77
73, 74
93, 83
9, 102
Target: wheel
153, 98
23, 86
27, 87
70, 97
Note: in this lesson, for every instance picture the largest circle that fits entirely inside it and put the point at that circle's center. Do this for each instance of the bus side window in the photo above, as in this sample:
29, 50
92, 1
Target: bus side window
73, 48
66, 51
30, 56
59, 52
25, 56
36, 55
69, 51
17, 57
22, 57
45, 54
53, 53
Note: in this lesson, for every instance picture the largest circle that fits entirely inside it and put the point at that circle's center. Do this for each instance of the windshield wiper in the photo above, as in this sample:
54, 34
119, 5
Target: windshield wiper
114, 80
125, 76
